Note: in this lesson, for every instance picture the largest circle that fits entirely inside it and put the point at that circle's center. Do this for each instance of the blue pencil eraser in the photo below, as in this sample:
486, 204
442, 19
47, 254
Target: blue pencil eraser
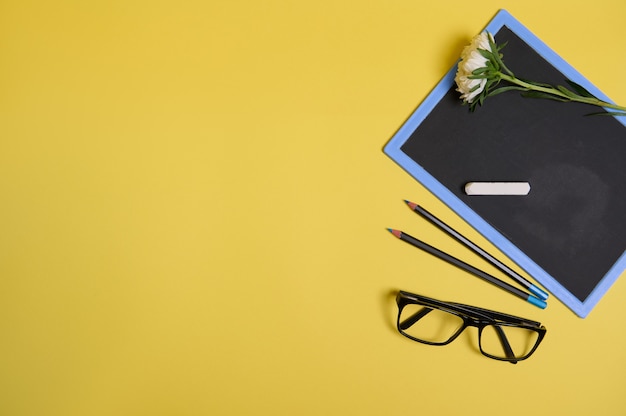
537, 302
538, 292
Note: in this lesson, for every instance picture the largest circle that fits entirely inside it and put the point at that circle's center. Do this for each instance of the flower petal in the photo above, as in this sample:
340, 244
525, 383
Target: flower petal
471, 60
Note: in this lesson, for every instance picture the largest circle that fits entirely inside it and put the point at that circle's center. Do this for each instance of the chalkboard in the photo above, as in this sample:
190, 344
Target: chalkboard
569, 232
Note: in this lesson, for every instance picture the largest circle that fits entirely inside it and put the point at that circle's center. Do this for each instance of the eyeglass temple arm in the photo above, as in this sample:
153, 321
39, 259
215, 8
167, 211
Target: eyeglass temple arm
505, 344
498, 315
411, 320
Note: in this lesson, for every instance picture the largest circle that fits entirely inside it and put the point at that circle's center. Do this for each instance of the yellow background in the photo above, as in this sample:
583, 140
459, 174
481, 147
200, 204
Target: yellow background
193, 203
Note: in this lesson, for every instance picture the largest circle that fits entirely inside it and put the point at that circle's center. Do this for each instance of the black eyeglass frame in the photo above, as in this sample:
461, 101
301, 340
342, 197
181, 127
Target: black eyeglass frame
471, 316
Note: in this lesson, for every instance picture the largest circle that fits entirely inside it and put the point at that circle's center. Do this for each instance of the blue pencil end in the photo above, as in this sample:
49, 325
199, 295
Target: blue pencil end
538, 292
537, 302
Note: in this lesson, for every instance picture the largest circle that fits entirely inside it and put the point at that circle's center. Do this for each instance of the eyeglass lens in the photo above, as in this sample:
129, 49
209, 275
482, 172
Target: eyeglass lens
429, 325
501, 341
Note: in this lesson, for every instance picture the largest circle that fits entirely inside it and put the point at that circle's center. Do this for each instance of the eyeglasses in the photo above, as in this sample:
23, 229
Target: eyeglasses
434, 322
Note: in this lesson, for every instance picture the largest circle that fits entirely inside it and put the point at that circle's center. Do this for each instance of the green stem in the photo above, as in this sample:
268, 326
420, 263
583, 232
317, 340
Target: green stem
556, 92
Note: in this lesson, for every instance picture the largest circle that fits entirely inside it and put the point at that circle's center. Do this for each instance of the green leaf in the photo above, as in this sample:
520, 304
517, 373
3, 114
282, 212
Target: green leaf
492, 59
486, 76
580, 89
608, 113
486, 54
566, 91
489, 85
538, 84
539, 94
492, 45
497, 58
505, 89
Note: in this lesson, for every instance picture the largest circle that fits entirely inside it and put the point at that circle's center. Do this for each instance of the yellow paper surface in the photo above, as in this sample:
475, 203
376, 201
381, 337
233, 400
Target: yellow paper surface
194, 203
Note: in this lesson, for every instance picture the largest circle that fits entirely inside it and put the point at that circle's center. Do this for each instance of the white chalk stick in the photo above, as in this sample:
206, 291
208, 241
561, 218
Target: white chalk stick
497, 188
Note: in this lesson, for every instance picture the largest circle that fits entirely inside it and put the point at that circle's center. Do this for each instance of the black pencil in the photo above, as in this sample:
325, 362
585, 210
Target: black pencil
468, 268
476, 249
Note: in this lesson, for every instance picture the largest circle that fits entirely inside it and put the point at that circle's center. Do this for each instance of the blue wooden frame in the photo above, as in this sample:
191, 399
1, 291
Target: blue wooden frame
393, 150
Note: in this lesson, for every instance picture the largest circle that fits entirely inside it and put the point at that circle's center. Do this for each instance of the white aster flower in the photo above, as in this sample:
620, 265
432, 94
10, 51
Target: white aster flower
481, 70
471, 60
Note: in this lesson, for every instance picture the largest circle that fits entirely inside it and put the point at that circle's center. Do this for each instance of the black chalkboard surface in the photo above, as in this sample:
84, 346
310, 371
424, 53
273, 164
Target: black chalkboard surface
569, 232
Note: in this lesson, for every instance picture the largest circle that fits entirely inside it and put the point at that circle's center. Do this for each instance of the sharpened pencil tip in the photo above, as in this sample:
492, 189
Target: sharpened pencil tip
411, 205
394, 232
